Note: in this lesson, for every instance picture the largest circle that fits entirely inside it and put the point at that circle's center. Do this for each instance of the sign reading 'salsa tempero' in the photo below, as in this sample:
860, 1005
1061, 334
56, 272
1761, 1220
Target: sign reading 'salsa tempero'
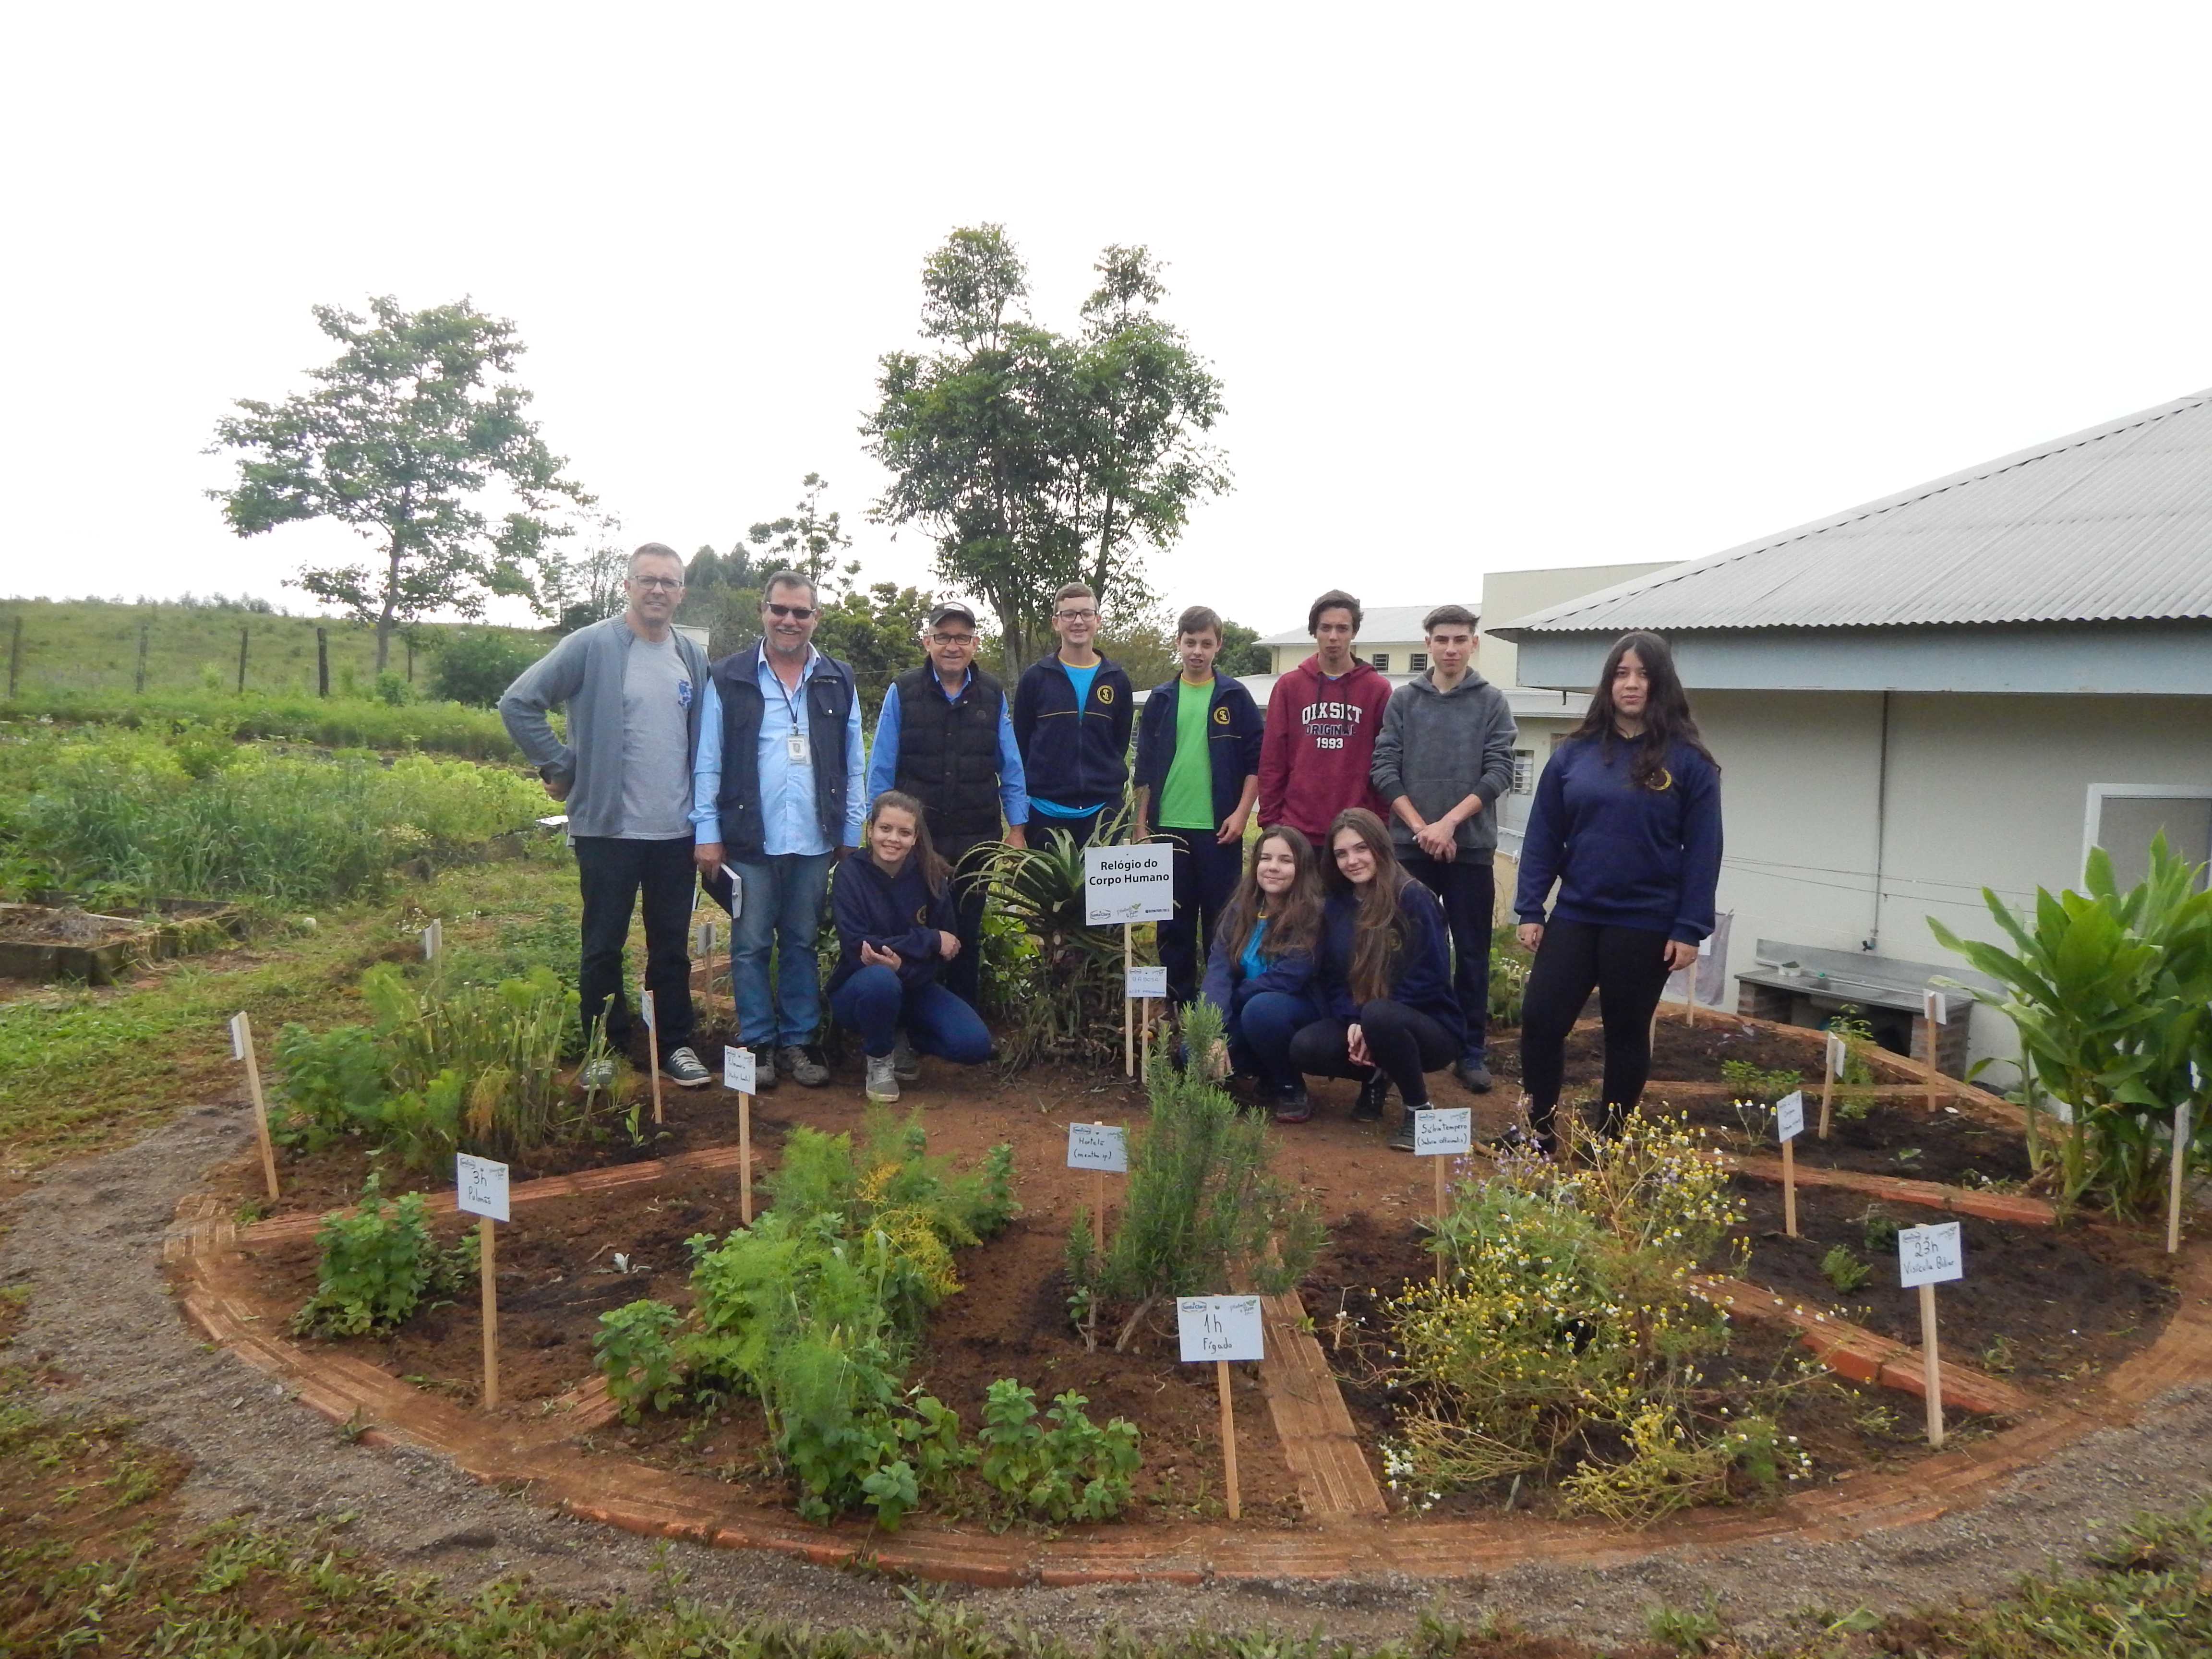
1127, 883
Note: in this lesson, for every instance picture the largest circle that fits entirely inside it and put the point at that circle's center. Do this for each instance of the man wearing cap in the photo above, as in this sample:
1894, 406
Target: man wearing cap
945, 737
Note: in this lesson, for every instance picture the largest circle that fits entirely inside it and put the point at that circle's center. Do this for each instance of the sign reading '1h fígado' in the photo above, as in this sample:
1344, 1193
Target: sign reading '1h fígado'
480, 1186
1148, 981
738, 1074
1929, 1256
1127, 883
1789, 1115
1098, 1147
1443, 1130
1219, 1328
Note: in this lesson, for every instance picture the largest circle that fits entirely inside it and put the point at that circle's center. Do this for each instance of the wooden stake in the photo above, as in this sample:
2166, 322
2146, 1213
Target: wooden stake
1790, 1187
260, 1106
1128, 1008
1930, 1024
488, 1269
1098, 1209
1228, 1439
1440, 1163
746, 1159
1827, 1087
652, 1048
1931, 1369
1145, 1026
2174, 1177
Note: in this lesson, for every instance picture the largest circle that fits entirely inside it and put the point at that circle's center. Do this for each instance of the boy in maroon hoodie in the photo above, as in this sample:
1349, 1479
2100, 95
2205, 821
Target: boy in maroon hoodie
1323, 720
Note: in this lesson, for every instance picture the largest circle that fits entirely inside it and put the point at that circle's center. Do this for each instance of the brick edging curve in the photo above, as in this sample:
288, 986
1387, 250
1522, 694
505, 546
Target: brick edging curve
542, 1457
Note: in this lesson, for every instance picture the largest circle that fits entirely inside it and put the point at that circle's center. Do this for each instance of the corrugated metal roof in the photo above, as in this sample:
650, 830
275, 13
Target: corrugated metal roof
1377, 622
2111, 524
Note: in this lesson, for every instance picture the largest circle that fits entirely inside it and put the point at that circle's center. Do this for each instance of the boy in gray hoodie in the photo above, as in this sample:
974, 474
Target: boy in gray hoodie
1443, 758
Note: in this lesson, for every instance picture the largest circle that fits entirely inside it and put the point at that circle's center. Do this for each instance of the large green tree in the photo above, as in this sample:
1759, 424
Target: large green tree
1036, 459
403, 439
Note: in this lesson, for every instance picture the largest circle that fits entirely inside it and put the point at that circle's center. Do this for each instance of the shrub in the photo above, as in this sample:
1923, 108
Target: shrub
1567, 1330
379, 1262
1752, 1083
1072, 1471
475, 666
1063, 998
1202, 1209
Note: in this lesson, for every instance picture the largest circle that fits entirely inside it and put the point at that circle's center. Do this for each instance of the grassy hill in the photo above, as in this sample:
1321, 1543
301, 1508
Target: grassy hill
91, 646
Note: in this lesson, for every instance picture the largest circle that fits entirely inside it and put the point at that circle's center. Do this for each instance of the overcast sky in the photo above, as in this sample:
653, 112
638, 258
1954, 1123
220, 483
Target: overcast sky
1488, 288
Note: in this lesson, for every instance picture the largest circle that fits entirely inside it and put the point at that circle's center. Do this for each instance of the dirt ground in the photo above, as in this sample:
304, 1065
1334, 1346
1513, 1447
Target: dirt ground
86, 1241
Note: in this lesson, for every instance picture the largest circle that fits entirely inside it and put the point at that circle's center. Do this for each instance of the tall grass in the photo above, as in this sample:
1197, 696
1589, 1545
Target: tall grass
127, 814
448, 728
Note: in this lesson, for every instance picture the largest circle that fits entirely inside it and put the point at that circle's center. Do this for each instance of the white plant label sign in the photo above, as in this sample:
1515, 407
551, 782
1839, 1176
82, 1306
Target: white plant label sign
737, 1072
1147, 982
554, 821
1444, 1132
1789, 1115
1930, 1255
1837, 1054
1127, 883
480, 1186
238, 1037
1938, 1014
644, 1006
434, 940
1219, 1328
1098, 1147
702, 943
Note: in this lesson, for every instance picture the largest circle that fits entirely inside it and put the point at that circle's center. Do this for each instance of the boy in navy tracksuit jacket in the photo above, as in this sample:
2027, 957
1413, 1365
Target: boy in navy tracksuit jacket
1197, 773
1072, 719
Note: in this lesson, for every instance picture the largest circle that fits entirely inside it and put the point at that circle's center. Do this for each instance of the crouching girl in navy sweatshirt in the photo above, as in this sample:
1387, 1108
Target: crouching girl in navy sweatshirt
1388, 1012
1627, 820
1259, 973
893, 904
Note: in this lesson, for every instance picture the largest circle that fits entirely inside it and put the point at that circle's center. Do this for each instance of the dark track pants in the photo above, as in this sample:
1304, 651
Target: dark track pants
1467, 888
1206, 875
1627, 968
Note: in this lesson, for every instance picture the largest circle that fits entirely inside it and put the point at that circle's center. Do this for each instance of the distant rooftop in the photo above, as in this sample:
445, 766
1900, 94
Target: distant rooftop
1378, 622
2110, 525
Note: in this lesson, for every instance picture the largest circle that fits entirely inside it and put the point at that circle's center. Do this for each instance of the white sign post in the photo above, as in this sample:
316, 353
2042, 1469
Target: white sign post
1932, 1013
1222, 1328
1123, 886
1926, 1257
1788, 1124
434, 940
1143, 985
242, 1047
2174, 1178
480, 1190
1831, 1067
1441, 1133
652, 1044
738, 1076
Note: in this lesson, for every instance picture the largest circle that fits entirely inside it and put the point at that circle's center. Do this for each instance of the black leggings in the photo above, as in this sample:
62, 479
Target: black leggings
1628, 967
1405, 1042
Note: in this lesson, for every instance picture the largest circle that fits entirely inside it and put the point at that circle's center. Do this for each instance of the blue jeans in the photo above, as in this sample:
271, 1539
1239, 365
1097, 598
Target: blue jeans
876, 1002
780, 916
1260, 1035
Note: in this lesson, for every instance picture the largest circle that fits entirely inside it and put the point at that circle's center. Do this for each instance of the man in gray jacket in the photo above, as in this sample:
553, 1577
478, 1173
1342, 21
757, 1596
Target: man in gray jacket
1443, 758
630, 684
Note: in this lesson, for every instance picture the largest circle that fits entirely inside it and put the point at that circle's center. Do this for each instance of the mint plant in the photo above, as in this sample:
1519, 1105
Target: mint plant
635, 1354
1070, 1470
378, 1263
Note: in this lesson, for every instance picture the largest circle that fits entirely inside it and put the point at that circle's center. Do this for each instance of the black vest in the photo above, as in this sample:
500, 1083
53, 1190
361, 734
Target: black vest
829, 693
948, 753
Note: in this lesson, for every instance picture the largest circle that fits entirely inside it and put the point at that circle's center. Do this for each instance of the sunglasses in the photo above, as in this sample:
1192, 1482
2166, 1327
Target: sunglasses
796, 612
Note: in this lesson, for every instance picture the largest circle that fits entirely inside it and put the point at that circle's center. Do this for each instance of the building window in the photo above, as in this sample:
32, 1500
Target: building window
1418, 663
1381, 660
2124, 818
1525, 771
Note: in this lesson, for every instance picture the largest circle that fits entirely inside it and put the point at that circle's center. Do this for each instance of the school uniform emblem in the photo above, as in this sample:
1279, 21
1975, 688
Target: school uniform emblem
1105, 694
1221, 715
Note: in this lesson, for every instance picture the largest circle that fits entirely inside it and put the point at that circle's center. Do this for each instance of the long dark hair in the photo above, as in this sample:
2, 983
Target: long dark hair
935, 871
1378, 927
1294, 922
1667, 717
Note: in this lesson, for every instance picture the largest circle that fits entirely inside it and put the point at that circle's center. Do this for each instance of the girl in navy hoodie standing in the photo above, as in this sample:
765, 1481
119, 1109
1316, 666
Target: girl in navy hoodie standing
1259, 973
1627, 820
1389, 1014
892, 900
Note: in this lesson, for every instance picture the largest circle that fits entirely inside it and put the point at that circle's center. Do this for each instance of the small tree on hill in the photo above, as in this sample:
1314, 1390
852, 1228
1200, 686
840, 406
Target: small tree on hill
399, 440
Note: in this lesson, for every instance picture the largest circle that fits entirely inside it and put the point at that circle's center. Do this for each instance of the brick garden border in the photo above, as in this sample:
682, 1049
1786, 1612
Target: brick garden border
1352, 1537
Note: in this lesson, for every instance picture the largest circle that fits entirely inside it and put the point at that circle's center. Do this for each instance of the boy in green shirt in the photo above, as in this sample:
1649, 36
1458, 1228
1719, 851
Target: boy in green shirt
1197, 774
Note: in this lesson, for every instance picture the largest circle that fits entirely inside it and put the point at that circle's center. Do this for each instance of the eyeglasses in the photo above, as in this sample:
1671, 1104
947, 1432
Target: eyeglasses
949, 640
1073, 616
796, 612
666, 584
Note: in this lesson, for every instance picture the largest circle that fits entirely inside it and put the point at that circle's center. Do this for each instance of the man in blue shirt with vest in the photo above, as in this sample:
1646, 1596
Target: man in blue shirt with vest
944, 736
778, 794
1073, 712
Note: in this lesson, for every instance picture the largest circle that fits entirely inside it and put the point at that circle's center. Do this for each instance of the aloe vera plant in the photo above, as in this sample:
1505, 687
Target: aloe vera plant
2107, 991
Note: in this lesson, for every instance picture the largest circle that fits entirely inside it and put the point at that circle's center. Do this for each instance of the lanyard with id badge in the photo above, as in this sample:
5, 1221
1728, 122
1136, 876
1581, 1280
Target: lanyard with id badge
796, 748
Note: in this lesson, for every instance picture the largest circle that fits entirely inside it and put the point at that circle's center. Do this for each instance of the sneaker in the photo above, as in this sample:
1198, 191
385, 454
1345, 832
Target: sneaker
802, 1066
1368, 1108
1473, 1076
764, 1076
682, 1067
1401, 1138
595, 1074
906, 1065
882, 1079
1292, 1103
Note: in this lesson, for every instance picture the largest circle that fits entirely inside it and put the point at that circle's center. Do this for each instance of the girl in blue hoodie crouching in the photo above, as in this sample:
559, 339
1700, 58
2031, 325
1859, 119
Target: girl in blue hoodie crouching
892, 902
1259, 973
